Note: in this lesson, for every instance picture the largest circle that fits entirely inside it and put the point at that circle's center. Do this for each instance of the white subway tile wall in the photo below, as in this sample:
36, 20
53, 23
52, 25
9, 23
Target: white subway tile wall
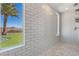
40, 32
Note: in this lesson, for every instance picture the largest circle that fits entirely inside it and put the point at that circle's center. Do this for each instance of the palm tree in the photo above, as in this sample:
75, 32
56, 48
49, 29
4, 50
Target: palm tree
7, 9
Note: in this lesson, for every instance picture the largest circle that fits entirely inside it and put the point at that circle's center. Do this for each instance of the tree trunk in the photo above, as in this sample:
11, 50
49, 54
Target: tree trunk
4, 32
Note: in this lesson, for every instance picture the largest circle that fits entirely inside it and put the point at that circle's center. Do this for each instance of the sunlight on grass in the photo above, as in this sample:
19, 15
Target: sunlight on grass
12, 39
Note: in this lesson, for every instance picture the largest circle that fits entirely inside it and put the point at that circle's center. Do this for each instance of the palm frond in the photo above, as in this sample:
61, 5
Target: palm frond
9, 9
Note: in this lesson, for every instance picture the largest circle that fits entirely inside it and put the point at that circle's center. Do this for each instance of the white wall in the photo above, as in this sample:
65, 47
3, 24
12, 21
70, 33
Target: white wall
68, 24
40, 28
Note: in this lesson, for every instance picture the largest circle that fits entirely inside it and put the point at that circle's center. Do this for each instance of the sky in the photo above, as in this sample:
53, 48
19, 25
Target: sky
15, 21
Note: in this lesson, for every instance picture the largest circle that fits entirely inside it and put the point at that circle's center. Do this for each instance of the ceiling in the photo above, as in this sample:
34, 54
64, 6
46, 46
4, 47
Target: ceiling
62, 7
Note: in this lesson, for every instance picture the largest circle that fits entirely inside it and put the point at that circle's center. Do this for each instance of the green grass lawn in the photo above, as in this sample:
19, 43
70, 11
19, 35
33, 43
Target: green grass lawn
11, 39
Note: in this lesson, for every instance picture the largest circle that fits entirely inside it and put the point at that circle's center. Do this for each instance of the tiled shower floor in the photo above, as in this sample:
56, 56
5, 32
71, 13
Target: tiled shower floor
63, 49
